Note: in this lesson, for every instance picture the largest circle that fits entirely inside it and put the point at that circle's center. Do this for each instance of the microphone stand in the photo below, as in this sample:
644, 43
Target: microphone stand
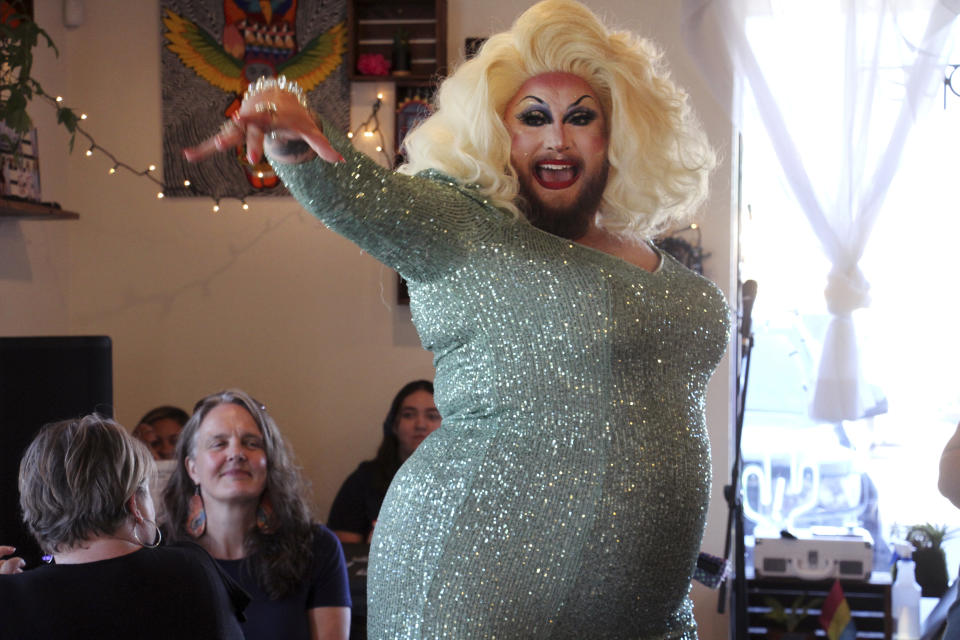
732, 494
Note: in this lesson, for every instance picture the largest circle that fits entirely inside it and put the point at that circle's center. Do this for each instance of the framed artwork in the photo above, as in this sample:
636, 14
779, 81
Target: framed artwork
19, 165
211, 51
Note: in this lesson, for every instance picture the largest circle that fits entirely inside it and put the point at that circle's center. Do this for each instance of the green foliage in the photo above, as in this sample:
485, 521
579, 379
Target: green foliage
789, 618
19, 34
927, 536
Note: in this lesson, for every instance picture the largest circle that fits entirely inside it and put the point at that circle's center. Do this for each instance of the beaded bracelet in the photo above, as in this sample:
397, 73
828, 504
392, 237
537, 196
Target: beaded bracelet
263, 83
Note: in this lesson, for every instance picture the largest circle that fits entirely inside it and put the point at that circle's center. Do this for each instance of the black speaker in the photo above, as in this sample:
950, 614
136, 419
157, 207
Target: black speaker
42, 380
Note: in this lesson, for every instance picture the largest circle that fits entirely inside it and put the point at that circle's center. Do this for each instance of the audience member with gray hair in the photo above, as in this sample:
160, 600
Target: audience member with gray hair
84, 493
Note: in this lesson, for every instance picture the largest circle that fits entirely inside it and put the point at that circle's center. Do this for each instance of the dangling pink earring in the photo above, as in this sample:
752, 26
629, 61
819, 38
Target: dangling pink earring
196, 516
265, 518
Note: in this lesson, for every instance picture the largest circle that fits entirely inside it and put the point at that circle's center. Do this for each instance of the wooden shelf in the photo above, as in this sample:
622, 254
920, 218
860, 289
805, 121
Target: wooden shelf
869, 603
33, 211
373, 23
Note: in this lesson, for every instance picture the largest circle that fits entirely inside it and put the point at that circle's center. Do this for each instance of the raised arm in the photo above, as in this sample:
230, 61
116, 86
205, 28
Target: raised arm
274, 115
420, 227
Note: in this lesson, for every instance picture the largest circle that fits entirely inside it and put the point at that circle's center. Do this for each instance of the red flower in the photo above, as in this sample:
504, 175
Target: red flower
373, 64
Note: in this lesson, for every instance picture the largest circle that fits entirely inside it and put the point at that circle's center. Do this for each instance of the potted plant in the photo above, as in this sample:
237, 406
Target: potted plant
19, 34
786, 620
929, 558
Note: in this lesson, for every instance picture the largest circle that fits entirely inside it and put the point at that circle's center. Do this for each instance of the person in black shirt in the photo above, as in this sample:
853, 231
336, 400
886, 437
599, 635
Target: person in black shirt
238, 492
85, 498
411, 418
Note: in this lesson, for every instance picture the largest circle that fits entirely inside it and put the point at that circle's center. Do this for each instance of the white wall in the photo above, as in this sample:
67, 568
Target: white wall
267, 300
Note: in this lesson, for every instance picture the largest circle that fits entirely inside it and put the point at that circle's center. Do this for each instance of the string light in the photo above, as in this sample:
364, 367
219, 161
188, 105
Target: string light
116, 164
369, 128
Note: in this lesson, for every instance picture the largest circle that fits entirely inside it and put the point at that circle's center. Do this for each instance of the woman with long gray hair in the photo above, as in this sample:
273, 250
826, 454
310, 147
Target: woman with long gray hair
237, 492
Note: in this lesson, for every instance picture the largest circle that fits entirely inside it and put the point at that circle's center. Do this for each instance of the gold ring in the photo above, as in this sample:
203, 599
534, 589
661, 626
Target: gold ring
268, 107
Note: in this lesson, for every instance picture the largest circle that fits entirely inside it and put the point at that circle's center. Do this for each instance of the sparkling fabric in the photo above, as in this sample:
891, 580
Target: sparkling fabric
565, 494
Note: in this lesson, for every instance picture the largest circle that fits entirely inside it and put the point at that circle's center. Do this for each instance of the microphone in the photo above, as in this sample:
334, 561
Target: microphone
748, 294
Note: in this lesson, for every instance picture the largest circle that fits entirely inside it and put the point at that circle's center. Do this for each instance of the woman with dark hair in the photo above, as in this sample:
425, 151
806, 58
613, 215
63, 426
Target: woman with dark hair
411, 418
239, 494
85, 498
160, 429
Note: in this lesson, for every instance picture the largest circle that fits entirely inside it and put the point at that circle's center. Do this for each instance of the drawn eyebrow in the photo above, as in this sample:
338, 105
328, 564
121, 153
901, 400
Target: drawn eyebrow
578, 100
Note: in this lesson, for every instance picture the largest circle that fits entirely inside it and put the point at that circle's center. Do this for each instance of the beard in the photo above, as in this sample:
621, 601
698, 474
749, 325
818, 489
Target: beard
570, 220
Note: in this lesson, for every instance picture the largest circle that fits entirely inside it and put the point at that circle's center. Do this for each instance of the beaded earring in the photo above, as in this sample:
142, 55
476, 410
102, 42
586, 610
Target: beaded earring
265, 519
196, 516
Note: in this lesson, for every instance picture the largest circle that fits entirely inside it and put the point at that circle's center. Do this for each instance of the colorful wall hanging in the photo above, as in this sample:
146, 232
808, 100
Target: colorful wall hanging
212, 49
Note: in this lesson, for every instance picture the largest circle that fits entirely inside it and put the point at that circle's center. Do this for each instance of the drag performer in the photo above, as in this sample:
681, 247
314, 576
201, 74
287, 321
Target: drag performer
566, 492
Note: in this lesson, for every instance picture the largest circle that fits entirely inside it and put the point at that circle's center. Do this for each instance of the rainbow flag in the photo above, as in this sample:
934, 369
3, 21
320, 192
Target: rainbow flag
835, 615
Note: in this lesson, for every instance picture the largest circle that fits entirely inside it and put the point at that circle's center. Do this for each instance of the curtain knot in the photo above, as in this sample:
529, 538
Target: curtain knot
847, 290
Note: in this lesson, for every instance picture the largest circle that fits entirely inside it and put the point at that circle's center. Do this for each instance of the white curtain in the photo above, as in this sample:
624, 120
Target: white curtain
860, 72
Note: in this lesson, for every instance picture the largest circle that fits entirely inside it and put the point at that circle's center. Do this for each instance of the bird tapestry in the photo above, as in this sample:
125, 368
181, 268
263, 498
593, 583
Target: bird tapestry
212, 49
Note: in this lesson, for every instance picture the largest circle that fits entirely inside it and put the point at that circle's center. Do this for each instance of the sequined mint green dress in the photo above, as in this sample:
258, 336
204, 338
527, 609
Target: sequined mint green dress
565, 494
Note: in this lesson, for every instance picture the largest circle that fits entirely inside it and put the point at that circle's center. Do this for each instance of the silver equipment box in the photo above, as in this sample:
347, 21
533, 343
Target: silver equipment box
816, 554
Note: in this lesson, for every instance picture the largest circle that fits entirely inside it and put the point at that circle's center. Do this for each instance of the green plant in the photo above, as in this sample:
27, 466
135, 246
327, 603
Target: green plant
927, 536
789, 618
930, 561
19, 34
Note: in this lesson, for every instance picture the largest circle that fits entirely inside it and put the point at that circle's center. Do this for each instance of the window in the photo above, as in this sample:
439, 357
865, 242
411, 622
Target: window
881, 470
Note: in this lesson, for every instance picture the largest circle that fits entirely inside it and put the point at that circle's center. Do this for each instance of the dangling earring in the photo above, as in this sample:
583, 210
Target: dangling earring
265, 518
196, 516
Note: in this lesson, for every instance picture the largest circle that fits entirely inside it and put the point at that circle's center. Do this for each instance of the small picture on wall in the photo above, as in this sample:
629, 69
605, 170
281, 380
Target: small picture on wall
19, 166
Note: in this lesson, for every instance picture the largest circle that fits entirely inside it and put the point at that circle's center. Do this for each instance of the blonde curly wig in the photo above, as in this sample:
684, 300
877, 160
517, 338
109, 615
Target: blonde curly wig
660, 158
